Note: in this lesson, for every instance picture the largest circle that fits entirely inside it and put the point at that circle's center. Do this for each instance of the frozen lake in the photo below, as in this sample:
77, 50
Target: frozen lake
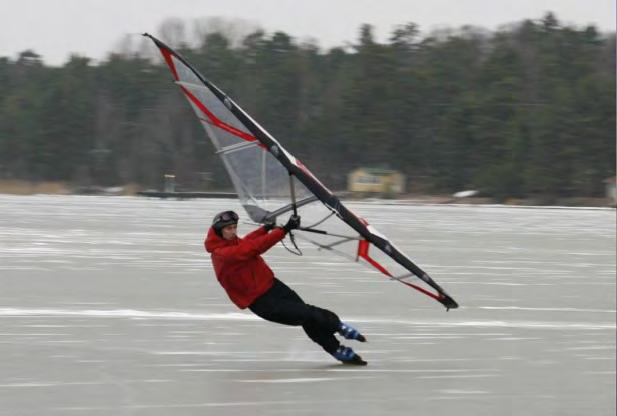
109, 306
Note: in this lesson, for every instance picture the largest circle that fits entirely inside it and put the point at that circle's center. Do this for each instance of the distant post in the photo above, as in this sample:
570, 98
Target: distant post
170, 183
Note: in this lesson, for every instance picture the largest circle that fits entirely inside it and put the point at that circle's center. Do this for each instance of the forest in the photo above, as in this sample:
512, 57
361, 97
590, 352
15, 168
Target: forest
528, 109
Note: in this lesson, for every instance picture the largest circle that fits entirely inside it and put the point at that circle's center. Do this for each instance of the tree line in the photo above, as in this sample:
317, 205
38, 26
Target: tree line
525, 110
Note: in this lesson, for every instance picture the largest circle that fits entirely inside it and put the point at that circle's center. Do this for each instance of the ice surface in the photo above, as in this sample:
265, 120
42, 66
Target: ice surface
108, 305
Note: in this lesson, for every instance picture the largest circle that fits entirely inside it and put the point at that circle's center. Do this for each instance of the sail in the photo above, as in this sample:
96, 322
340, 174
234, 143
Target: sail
271, 183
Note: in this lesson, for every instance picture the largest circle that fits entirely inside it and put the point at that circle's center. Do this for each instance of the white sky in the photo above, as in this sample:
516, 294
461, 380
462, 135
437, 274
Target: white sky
57, 28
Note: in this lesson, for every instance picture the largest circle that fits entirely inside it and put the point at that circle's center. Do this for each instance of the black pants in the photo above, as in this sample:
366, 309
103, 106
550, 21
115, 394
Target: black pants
282, 305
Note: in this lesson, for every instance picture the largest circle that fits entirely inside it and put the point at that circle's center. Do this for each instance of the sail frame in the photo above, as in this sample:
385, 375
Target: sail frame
295, 168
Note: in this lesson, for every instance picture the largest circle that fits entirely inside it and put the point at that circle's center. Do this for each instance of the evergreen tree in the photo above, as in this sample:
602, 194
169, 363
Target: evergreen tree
528, 110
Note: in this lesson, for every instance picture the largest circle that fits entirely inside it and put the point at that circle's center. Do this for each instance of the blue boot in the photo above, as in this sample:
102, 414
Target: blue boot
349, 332
347, 356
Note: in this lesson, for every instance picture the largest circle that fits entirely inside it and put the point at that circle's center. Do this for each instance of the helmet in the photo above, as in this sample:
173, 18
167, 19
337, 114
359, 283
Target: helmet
223, 219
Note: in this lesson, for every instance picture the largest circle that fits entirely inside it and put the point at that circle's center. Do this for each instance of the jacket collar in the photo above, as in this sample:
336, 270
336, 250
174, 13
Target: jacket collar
213, 241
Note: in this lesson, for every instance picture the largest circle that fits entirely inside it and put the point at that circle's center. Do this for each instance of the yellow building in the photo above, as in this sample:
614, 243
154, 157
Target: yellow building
379, 181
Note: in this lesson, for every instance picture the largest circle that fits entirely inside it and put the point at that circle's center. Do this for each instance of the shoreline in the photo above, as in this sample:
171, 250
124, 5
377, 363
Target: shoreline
25, 188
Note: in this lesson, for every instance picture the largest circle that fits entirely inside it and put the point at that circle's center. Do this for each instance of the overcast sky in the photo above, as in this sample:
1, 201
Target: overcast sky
57, 28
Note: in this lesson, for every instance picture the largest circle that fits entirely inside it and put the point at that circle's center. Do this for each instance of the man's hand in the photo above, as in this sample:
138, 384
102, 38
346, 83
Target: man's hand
292, 224
269, 225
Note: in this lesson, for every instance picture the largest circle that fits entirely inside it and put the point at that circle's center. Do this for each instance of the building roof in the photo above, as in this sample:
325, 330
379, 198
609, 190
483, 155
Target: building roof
378, 171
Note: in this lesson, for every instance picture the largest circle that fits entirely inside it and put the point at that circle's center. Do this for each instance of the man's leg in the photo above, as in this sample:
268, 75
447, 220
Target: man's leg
282, 305
321, 328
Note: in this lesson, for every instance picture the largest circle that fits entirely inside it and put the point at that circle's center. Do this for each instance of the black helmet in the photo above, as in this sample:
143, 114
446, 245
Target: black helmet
223, 219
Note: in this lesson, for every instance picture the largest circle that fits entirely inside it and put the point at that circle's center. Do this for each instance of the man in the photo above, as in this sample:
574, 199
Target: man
250, 283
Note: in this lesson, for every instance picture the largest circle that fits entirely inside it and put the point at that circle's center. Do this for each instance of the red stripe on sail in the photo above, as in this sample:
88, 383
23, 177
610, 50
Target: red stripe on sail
170, 63
363, 246
420, 289
216, 121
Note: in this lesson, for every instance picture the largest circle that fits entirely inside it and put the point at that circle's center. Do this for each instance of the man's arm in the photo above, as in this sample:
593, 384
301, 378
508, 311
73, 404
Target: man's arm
249, 248
256, 233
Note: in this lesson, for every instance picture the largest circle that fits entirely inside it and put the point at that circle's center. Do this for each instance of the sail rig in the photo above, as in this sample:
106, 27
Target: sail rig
272, 183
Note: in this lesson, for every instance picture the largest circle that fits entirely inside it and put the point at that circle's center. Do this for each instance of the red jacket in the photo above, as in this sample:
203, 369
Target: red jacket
238, 265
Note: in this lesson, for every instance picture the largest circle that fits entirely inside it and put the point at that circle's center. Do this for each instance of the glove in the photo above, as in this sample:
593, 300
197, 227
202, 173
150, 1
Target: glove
292, 223
269, 225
